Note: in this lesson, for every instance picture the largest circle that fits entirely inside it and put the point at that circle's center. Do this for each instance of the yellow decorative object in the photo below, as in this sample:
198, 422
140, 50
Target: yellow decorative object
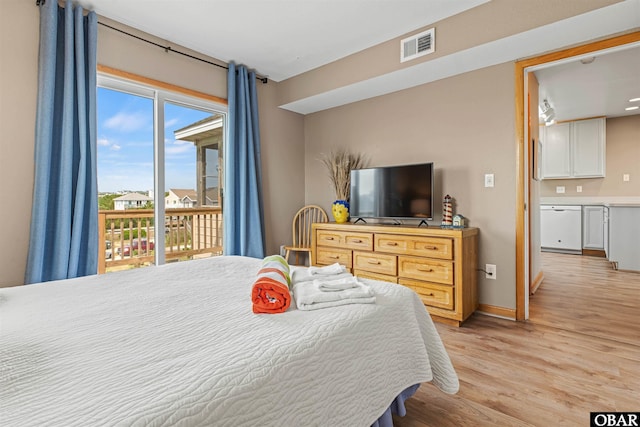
340, 211
339, 165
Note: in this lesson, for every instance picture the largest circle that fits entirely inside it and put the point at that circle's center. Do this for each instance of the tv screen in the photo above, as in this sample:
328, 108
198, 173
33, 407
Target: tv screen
392, 192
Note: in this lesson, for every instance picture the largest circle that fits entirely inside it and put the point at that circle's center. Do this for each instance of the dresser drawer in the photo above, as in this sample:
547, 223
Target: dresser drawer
432, 247
374, 276
327, 256
432, 294
376, 263
345, 239
426, 269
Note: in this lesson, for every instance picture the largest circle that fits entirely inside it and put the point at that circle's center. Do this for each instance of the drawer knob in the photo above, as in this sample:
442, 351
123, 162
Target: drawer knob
357, 241
392, 244
328, 238
334, 257
374, 262
429, 270
430, 294
431, 248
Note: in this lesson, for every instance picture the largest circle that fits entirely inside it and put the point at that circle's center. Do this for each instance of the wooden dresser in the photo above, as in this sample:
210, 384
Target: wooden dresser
439, 264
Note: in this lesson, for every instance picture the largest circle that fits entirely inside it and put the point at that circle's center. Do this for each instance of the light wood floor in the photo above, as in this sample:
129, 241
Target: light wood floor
579, 352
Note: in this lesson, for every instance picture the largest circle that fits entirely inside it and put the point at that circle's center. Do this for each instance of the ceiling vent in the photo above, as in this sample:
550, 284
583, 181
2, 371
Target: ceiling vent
418, 45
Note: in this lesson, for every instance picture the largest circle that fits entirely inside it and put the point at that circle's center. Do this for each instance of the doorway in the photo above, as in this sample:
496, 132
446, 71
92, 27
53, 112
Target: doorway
527, 246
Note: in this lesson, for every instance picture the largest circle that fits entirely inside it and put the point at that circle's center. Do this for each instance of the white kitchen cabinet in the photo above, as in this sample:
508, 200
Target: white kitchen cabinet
593, 227
589, 148
556, 151
624, 237
574, 149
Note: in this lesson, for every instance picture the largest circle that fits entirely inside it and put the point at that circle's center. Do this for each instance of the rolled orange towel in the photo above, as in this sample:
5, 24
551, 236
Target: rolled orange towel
270, 292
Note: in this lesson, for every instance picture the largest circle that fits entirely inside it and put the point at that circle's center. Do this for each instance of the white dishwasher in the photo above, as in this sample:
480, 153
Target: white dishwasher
561, 228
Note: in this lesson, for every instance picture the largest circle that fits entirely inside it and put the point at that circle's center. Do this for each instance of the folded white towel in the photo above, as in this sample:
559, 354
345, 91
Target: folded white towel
309, 297
335, 285
301, 274
319, 305
327, 270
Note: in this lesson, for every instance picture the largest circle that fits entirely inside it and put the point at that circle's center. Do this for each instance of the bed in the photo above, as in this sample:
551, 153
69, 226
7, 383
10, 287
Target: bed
179, 345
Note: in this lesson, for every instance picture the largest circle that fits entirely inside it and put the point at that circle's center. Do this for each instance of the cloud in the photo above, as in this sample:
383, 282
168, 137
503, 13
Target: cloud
127, 122
171, 122
140, 144
177, 149
168, 141
105, 142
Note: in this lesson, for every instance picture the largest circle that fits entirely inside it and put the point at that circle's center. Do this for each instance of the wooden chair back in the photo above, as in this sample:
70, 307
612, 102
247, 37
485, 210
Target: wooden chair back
301, 231
302, 221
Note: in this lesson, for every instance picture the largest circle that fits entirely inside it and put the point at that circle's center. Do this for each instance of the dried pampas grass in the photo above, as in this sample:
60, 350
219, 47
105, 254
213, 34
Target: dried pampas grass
339, 164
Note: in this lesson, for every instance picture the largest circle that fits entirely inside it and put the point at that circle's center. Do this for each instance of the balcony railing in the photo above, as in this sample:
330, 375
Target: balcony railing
129, 238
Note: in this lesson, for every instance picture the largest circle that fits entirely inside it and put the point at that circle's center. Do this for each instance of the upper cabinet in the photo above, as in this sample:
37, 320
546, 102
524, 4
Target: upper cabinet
574, 149
556, 151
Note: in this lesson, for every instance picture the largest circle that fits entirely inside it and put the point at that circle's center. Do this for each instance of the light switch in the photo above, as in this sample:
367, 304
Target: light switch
560, 189
625, 177
488, 180
579, 189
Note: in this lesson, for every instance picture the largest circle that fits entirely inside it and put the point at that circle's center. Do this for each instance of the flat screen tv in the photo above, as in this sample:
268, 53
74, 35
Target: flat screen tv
392, 192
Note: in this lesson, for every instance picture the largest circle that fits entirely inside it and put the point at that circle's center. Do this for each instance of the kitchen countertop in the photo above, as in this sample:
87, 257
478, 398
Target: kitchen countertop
592, 201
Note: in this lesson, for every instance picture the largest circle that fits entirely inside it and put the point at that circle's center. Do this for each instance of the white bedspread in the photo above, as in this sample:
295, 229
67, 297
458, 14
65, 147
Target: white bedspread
179, 345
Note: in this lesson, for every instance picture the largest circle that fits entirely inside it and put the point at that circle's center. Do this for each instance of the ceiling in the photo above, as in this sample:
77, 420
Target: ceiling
602, 87
283, 38
278, 38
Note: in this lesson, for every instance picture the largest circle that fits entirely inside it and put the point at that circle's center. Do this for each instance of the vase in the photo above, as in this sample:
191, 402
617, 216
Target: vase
340, 211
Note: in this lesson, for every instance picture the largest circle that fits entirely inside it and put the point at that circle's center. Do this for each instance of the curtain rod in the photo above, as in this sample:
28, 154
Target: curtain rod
169, 49
263, 79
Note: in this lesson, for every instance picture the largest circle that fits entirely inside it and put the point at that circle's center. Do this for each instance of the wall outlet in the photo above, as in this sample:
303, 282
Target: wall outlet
579, 189
282, 250
488, 180
625, 177
490, 271
560, 189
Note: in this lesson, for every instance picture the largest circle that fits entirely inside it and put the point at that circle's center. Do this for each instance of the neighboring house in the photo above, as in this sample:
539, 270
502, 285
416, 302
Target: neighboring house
206, 135
179, 198
204, 233
131, 201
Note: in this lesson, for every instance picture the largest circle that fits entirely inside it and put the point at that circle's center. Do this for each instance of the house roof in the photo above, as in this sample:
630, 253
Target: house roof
200, 130
134, 197
182, 193
199, 122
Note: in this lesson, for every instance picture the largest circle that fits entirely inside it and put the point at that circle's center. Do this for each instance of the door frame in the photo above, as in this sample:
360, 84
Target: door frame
523, 168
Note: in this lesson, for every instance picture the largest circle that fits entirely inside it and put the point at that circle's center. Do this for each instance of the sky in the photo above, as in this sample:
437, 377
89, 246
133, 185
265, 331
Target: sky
125, 143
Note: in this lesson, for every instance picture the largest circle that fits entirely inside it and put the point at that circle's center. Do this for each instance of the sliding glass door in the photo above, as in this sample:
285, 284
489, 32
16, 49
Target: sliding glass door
159, 176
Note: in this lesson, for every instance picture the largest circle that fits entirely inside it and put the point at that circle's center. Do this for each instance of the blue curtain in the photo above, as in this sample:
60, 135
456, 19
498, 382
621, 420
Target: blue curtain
64, 221
242, 209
